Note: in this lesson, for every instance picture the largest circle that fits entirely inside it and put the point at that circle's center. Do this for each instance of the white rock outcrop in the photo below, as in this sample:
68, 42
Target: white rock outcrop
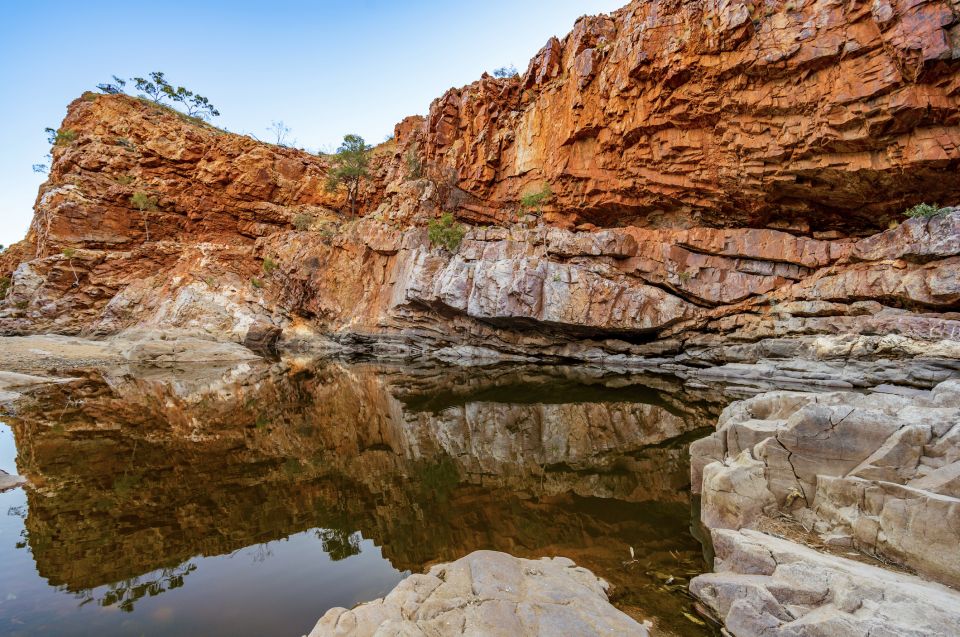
488, 593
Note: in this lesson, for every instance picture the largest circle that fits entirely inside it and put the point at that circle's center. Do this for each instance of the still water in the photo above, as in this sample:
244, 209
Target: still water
249, 500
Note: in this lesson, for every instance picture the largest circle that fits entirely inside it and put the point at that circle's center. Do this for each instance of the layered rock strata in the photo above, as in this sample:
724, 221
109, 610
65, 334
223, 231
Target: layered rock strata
743, 301
875, 473
736, 165
488, 593
811, 113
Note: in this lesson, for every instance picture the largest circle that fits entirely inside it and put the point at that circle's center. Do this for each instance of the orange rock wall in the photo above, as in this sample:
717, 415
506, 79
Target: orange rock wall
800, 113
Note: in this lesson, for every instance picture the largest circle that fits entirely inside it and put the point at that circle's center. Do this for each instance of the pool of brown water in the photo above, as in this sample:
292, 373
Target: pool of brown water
249, 500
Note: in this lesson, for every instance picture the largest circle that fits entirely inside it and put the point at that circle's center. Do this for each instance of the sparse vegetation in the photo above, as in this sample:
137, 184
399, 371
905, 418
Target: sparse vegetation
69, 253
924, 210
446, 232
280, 132
269, 265
158, 90
256, 283
533, 201
144, 203
302, 221
349, 167
60, 137
112, 87
4, 286
506, 71
124, 180
414, 163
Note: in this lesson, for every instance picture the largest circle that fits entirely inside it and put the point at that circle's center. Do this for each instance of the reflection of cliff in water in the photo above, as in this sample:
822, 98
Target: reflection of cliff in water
138, 474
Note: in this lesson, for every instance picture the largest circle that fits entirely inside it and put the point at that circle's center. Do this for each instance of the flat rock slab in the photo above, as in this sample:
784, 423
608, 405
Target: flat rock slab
488, 593
765, 586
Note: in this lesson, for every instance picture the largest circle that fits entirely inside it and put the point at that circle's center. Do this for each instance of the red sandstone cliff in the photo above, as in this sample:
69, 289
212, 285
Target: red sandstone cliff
678, 112
736, 155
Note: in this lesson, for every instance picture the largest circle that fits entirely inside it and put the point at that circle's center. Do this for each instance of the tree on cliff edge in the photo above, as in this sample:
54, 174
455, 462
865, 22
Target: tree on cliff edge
349, 167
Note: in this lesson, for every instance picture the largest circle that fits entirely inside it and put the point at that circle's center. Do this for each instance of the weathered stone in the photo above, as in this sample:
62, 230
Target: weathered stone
879, 471
488, 593
763, 585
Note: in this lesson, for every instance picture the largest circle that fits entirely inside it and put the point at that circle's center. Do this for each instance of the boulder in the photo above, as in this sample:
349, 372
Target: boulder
488, 593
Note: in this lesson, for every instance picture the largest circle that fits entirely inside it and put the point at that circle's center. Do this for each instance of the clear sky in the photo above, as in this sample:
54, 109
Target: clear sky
325, 68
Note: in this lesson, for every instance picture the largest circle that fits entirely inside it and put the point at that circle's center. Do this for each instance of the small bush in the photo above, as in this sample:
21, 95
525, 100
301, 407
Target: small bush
4, 286
143, 201
124, 180
60, 137
269, 265
535, 200
414, 163
69, 252
302, 221
446, 232
924, 210
506, 71
256, 283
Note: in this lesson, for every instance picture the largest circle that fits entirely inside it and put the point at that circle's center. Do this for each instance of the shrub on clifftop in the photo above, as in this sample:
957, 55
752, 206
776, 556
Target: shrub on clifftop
158, 90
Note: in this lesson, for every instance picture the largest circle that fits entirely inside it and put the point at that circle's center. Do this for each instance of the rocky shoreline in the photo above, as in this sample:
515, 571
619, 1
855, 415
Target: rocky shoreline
874, 475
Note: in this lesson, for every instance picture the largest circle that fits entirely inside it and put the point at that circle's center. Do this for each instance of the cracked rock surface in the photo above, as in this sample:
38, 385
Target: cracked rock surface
876, 475
877, 472
488, 593
768, 586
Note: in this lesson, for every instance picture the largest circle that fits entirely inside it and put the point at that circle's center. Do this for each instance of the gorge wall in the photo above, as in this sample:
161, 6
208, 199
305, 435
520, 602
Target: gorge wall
728, 181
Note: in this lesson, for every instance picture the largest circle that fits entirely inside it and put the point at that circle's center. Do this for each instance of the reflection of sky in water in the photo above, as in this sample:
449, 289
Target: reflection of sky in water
281, 587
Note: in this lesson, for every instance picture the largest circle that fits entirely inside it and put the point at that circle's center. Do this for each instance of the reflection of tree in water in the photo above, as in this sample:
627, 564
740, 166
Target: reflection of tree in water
339, 537
339, 544
261, 552
124, 594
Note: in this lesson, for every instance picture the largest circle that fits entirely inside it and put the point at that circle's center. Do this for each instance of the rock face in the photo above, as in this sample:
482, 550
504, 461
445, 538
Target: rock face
765, 585
878, 473
737, 167
488, 593
817, 112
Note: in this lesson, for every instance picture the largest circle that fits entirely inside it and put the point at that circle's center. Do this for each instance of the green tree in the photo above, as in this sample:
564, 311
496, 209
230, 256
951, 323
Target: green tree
158, 89
144, 203
350, 166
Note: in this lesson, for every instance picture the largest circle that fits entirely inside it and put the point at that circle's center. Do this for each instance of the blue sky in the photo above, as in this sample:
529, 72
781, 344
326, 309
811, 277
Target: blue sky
325, 68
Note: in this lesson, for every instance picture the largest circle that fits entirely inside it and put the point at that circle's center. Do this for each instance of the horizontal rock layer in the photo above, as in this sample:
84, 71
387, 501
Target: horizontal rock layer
725, 258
